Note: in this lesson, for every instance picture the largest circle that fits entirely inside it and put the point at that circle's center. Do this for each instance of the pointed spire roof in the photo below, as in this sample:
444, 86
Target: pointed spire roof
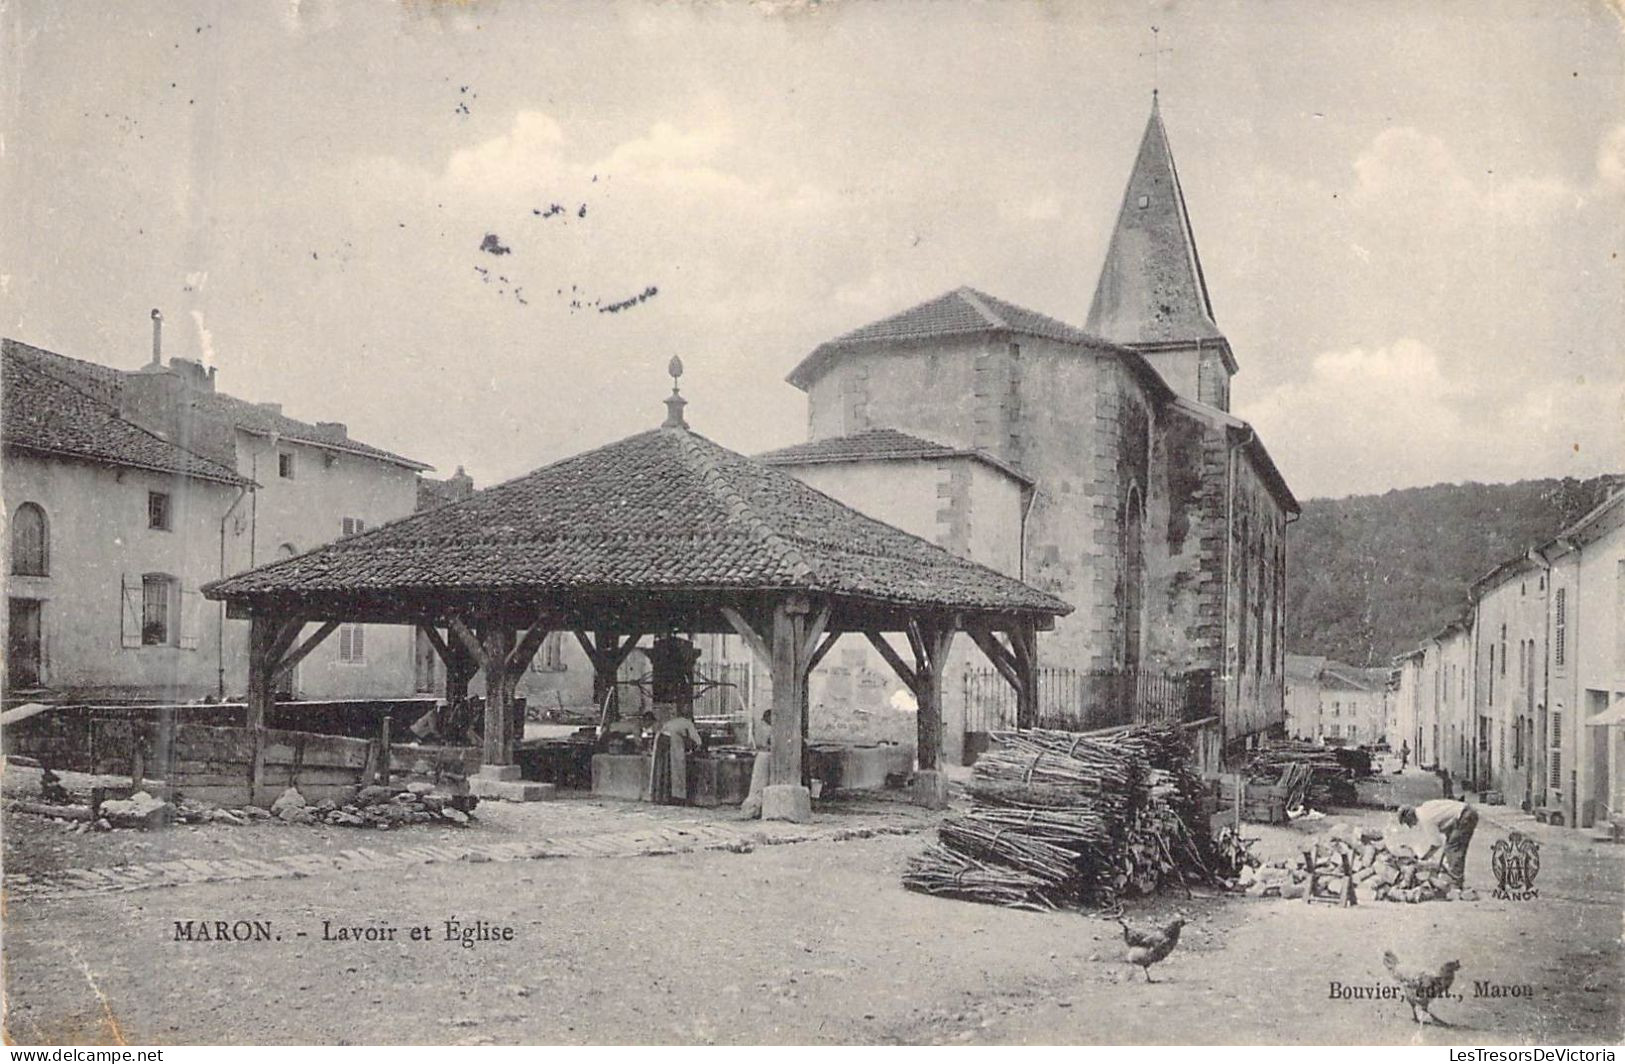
1151, 288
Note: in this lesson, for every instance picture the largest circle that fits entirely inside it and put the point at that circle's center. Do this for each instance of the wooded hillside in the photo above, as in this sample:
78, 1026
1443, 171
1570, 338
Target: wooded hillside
1370, 576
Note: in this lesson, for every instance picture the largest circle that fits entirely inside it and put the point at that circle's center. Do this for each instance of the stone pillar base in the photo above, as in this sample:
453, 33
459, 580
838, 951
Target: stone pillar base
787, 801
930, 789
499, 772
482, 786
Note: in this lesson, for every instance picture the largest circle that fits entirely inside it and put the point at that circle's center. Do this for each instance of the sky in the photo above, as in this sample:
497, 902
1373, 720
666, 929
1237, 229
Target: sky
477, 232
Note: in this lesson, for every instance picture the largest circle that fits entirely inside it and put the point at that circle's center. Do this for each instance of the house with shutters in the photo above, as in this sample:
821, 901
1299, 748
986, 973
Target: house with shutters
126, 490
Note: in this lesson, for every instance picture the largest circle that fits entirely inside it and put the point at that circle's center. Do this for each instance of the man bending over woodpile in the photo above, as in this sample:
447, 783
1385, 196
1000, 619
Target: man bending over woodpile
1449, 825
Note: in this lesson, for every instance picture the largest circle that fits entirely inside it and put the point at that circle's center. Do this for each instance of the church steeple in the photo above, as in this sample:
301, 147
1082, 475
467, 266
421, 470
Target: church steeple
1152, 295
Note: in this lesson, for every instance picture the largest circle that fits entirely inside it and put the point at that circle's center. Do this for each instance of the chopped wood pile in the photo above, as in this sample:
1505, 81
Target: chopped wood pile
378, 806
1310, 776
1379, 872
1061, 820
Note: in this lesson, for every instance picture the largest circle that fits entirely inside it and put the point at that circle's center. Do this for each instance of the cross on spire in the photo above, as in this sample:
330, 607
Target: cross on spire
1156, 53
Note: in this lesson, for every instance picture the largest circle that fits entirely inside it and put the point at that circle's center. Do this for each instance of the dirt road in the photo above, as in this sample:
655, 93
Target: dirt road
812, 942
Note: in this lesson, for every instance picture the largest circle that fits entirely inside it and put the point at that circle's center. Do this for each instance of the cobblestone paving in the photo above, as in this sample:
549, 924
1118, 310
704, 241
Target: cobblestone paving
643, 841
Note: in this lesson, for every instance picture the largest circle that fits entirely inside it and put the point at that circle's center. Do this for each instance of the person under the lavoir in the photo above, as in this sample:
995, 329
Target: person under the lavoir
671, 679
668, 767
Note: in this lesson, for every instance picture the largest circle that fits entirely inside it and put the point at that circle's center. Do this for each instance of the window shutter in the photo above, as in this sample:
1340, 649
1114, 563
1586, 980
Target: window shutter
191, 617
129, 613
344, 641
358, 643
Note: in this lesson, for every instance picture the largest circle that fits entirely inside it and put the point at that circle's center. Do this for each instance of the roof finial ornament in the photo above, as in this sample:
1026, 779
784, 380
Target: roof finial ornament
675, 401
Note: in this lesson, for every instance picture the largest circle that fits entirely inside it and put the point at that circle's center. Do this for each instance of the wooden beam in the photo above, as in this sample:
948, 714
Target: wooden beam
286, 633
470, 641
909, 677
432, 634
587, 646
519, 661
823, 649
916, 642
294, 657
815, 632
749, 634
1003, 660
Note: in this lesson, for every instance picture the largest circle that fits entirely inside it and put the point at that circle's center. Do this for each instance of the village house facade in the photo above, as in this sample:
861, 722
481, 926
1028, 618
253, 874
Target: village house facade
1523, 699
1337, 704
243, 484
1102, 463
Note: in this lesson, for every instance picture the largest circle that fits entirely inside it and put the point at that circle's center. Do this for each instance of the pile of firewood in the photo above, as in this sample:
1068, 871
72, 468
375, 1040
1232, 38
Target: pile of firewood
1059, 819
1377, 871
1310, 776
378, 806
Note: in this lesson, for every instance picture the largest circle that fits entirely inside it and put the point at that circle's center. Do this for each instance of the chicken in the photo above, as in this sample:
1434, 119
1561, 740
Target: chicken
1422, 988
1146, 948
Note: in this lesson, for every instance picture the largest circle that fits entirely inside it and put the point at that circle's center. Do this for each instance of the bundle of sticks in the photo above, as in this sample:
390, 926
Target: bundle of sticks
1316, 775
1060, 819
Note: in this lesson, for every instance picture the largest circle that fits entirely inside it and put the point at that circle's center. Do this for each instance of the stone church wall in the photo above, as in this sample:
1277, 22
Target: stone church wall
1256, 610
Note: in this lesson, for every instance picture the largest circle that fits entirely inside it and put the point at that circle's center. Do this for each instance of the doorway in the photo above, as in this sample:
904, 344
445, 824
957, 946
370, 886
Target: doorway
24, 660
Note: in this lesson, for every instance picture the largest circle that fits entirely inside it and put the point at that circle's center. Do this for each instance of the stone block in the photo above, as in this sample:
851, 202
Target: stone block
930, 789
787, 801
511, 790
499, 772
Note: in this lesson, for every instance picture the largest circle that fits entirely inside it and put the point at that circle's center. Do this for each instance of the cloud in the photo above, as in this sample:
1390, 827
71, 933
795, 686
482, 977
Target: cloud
1406, 169
1369, 419
519, 160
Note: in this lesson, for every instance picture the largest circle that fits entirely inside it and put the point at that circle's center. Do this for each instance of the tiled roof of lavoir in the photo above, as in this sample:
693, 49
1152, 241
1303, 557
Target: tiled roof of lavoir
962, 312
665, 510
876, 445
47, 414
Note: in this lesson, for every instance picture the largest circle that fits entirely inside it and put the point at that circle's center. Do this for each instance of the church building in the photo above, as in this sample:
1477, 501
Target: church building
1099, 463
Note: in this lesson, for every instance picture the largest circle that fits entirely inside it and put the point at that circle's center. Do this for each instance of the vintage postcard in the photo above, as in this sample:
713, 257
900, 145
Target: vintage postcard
784, 523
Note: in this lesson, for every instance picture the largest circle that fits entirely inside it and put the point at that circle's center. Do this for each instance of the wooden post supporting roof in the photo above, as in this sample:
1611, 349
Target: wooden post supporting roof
1024, 643
262, 638
497, 645
930, 669
789, 685
929, 642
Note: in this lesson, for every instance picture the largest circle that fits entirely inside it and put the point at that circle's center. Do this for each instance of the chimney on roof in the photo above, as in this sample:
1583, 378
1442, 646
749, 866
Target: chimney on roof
193, 374
157, 337
336, 429
460, 485
675, 402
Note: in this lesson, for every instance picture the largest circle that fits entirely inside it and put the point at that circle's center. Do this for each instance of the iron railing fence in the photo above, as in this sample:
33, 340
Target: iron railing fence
1087, 699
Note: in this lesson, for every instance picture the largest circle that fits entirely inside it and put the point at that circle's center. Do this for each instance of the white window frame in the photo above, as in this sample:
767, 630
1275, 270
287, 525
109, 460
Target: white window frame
352, 644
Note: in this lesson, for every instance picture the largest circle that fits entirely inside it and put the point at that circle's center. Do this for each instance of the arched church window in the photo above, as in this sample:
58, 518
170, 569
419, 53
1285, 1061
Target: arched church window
30, 542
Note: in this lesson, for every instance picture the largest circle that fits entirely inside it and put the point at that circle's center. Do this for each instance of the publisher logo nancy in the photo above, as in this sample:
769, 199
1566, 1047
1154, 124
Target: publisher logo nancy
1516, 861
